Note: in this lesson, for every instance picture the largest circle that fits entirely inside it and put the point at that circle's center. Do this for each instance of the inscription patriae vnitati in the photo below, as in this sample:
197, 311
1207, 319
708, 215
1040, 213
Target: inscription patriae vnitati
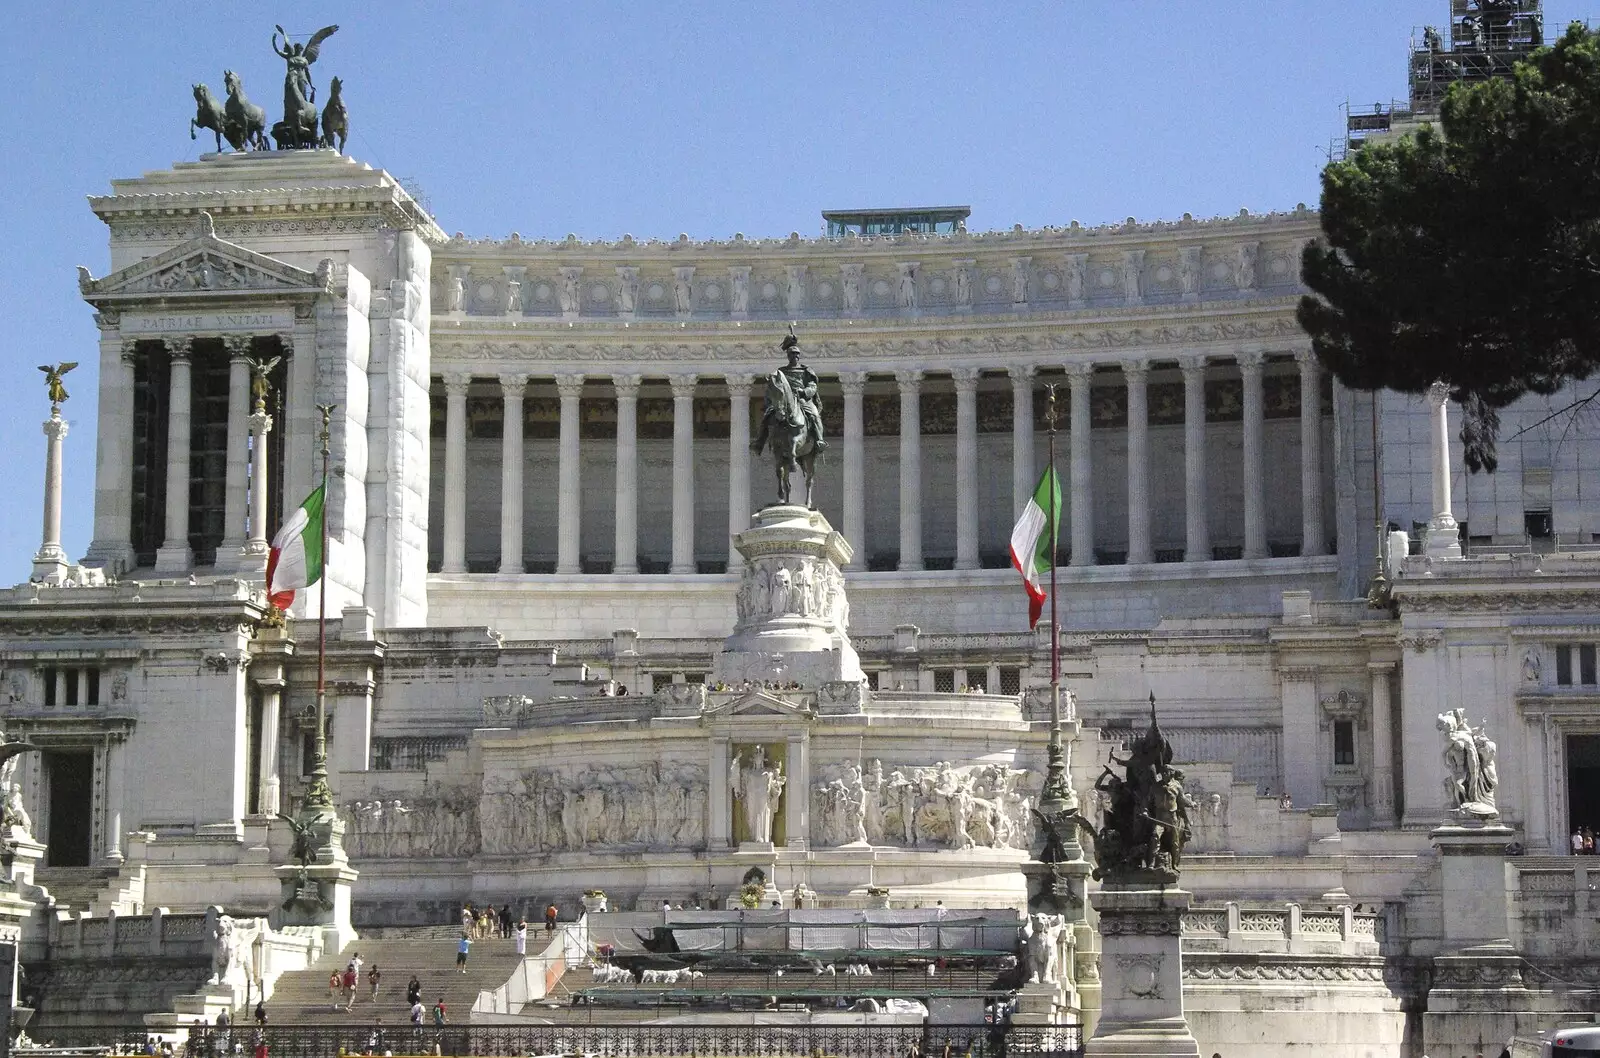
192, 322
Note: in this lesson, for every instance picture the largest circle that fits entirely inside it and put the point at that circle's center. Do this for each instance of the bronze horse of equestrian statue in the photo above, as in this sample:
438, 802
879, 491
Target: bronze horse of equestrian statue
793, 447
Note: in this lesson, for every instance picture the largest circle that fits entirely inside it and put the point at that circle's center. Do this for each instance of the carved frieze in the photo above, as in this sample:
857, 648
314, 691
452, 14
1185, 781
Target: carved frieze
937, 806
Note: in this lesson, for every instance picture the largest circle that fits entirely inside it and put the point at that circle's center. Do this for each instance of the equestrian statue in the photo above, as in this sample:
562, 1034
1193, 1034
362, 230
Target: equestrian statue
791, 417
244, 125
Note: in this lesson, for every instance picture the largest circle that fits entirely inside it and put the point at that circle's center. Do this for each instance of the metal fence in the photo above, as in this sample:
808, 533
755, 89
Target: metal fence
609, 1041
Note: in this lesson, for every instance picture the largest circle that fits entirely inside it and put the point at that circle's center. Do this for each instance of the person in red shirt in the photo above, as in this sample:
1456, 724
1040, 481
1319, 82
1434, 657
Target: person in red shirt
550, 919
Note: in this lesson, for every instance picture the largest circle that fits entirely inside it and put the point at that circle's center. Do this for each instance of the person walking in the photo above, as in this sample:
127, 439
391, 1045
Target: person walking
336, 979
521, 934
462, 948
439, 1016
373, 976
550, 914
414, 990
349, 984
261, 1014
505, 921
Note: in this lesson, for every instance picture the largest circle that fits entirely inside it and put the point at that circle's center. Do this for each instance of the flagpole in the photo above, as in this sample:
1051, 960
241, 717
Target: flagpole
1055, 632
319, 795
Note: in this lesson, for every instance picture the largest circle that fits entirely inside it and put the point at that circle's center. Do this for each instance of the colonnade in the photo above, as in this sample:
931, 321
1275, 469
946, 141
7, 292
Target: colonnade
243, 545
1080, 530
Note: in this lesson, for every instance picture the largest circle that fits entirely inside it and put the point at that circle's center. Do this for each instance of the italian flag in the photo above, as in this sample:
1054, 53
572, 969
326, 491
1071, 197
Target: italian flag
1033, 541
296, 559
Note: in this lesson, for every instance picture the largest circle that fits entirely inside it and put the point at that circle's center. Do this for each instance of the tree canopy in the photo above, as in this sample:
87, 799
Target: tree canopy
1470, 254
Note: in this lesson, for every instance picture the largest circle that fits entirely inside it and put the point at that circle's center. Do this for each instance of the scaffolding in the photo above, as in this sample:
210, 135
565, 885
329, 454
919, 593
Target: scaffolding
1484, 40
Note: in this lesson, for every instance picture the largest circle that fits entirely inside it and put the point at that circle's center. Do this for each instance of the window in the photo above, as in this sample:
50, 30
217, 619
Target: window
977, 681
1344, 743
1010, 681
48, 675
308, 753
944, 680
1579, 656
72, 686
91, 686
658, 680
1537, 524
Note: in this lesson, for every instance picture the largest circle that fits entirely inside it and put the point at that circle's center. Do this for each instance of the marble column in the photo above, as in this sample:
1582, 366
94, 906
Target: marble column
1197, 545
627, 501
1137, 375
1255, 483
269, 795
1313, 537
112, 545
719, 806
50, 564
796, 806
1443, 538
513, 386
257, 543
966, 380
174, 555
569, 511
1382, 745
854, 386
1023, 478
739, 506
1079, 378
116, 795
683, 387
455, 472
910, 469
237, 475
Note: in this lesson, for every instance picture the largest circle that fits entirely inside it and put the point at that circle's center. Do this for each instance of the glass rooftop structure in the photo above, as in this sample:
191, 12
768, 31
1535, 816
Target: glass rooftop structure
931, 220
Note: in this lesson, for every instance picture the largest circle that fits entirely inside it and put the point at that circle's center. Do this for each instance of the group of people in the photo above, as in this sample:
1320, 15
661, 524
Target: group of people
342, 985
1583, 842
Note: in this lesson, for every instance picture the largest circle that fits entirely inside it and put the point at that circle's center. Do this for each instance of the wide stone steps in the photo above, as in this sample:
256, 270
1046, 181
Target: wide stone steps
74, 887
428, 951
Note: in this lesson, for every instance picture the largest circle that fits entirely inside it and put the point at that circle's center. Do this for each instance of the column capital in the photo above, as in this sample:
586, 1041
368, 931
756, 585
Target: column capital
514, 382
1022, 375
569, 386
55, 427
966, 379
1193, 366
1251, 360
683, 386
1136, 370
1305, 357
909, 378
456, 382
853, 383
742, 380
1438, 395
1079, 373
627, 386
178, 348
237, 344
130, 350
286, 340
1380, 668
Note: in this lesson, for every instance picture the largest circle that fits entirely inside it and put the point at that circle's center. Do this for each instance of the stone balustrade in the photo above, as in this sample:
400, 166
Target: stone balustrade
1291, 928
159, 935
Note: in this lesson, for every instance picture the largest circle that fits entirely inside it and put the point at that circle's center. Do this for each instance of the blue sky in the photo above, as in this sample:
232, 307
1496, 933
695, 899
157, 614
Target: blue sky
654, 119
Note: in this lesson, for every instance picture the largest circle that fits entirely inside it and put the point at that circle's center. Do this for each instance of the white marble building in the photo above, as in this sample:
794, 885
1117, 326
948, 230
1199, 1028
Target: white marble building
539, 457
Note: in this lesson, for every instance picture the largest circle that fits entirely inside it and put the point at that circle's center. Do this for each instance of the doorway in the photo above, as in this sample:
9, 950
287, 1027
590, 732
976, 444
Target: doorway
70, 775
1583, 782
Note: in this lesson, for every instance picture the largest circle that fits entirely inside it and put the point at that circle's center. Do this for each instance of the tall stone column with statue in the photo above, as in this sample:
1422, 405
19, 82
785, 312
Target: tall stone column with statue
50, 564
1140, 848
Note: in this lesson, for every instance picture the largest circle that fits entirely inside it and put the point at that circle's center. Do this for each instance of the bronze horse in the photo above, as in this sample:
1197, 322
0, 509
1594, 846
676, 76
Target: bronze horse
246, 126
793, 447
208, 115
335, 122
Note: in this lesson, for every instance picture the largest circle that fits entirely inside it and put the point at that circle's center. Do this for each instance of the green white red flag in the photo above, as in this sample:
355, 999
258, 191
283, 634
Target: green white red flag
296, 559
1033, 540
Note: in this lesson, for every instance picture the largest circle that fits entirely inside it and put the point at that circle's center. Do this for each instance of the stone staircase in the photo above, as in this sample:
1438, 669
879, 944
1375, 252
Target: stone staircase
302, 998
74, 888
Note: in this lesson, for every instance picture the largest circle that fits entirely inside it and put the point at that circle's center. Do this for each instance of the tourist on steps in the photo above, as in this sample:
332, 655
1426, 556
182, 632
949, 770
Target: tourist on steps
550, 919
462, 948
414, 990
521, 933
439, 1018
373, 975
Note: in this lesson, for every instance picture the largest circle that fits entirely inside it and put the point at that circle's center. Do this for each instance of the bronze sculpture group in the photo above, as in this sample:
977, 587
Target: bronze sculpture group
1146, 816
244, 125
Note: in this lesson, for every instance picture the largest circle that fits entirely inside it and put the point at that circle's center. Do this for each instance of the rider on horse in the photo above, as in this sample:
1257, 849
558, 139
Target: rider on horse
803, 381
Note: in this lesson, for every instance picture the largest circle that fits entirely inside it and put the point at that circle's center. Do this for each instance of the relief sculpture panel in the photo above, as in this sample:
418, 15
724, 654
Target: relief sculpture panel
940, 806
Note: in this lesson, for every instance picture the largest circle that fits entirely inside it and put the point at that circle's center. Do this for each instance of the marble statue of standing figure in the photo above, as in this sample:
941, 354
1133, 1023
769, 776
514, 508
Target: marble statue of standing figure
759, 786
14, 818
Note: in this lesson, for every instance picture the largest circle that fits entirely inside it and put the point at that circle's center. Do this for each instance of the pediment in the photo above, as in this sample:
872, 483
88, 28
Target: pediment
205, 268
758, 704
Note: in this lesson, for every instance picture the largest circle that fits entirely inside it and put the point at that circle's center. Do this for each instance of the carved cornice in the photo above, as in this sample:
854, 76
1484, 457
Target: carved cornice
1523, 600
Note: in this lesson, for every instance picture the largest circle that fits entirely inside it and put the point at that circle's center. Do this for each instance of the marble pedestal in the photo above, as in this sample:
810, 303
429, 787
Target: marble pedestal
792, 611
1141, 974
1475, 883
318, 894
